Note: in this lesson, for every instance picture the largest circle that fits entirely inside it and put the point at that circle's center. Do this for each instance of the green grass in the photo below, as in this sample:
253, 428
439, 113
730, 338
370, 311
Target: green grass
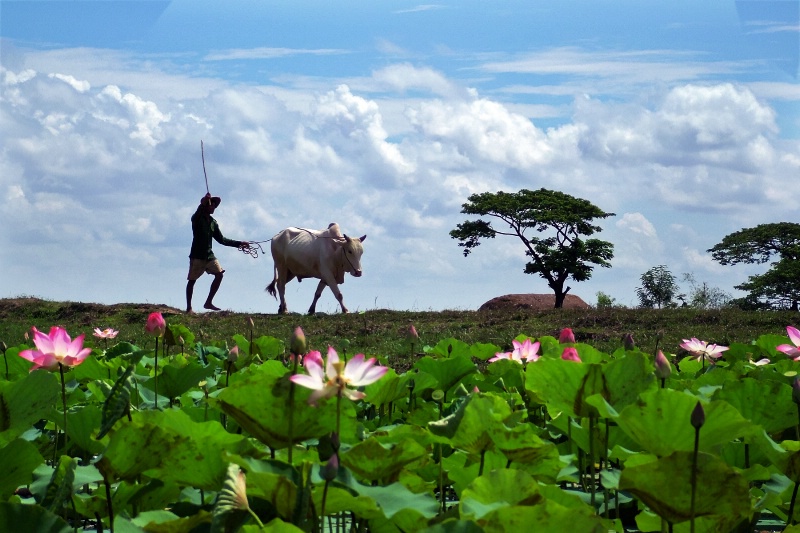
382, 332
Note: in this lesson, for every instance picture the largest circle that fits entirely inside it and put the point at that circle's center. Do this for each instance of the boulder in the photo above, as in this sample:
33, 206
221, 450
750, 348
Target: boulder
534, 302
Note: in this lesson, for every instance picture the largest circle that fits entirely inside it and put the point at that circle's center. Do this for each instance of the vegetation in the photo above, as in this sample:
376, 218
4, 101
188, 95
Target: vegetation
383, 332
556, 258
209, 423
779, 287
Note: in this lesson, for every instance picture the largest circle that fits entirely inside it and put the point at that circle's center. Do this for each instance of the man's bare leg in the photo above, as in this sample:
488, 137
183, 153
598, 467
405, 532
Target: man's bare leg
212, 292
189, 292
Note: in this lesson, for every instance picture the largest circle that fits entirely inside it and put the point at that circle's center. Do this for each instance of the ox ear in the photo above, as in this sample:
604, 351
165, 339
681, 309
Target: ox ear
362, 238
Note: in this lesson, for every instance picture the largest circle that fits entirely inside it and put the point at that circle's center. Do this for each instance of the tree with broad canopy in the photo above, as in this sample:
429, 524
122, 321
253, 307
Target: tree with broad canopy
557, 257
779, 287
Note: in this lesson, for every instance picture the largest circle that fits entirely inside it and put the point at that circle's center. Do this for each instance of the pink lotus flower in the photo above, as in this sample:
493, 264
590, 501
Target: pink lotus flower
702, 350
55, 349
788, 349
356, 373
107, 333
523, 351
566, 336
570, 354
156, 325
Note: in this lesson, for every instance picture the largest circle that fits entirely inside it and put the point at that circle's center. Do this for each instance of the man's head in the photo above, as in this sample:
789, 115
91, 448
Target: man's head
211, 202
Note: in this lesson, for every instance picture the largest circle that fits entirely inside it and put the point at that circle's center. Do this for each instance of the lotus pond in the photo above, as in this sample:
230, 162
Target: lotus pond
250, 434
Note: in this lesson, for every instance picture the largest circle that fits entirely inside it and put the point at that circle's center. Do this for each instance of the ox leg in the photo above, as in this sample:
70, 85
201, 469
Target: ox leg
334, 289
320, 287
282, 309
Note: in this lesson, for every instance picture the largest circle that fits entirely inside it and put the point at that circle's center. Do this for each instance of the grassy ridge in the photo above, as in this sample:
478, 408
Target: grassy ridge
382, 332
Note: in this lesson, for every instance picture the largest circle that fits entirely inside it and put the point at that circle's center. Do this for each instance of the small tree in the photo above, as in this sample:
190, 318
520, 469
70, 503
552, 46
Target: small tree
704, 296
779, 287
561, 220
604, 301
658, 289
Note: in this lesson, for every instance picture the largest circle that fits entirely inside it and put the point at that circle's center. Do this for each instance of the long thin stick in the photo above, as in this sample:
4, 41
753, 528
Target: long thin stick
203, 157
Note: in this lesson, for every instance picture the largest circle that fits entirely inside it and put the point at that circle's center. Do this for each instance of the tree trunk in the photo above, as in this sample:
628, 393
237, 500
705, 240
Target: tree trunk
561, 295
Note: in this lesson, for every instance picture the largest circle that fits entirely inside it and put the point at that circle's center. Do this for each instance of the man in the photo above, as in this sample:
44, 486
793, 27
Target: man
201, 257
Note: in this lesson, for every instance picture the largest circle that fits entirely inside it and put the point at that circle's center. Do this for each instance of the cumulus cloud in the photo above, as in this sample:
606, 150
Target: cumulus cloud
115, 168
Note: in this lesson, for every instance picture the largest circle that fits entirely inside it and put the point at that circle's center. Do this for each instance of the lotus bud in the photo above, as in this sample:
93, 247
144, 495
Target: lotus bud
250, 323
566, 336
663, 368
698, 416
298, 343
411, 334
331, 469
570, 354
233, 354
3, 346
156, 325
628, 342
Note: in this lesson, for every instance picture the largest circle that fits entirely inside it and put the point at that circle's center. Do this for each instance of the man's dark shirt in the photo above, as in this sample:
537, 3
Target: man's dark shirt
204, 227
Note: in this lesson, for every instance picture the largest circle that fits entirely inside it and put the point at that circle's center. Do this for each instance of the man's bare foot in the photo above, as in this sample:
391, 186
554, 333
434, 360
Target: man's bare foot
211, 307
189, 311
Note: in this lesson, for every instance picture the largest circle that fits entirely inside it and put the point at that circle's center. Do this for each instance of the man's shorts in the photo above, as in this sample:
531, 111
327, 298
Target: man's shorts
197, 267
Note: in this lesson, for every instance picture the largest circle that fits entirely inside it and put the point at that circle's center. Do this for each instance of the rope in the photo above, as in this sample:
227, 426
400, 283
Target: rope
253, 248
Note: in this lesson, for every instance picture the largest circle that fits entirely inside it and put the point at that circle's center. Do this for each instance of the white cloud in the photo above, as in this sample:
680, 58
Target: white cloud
115, 168
79, 85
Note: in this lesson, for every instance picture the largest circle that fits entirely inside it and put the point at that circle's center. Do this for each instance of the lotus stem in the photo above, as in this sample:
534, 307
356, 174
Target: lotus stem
155, 376
483, 462
441, 477
324, 499
254, 515
790, 517
291, 405
694, 477
109, 503
592, 471
5, 358
64, 403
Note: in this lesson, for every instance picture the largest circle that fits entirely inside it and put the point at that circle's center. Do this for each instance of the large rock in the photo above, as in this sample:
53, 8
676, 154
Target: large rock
534, 302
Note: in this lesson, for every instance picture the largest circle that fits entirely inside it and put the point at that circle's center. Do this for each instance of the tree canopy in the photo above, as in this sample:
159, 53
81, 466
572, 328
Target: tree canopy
659, 288
779, 287
550, 224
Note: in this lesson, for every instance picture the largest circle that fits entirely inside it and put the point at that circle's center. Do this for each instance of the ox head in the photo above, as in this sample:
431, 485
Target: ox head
352, 251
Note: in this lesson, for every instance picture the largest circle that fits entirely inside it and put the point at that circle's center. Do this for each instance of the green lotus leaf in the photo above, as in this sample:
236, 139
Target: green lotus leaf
171, 447
565, 385
547, 516
176, 378
259, 402
471, 427
59, 489
390, 388
389, 500
447, 371
767, 403
22, 517
162, 521
273, 481
484, 351
26, 401
449, 347
373, 461
18, 459
17, 366
498, 488
664, 485
660, 421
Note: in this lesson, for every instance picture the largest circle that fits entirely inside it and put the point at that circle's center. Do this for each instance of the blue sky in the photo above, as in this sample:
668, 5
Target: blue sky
680, 117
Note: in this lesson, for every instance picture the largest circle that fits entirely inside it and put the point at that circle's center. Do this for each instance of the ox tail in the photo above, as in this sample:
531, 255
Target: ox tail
271, 287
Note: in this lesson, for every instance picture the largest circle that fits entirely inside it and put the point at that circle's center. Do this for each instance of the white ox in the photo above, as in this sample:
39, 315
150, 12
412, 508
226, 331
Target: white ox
322, 254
